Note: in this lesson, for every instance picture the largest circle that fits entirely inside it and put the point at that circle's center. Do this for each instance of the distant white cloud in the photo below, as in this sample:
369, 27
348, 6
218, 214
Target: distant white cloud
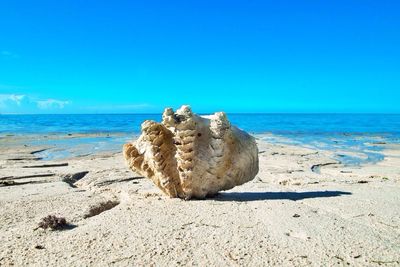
9, 54
11, 99
51, 104
20, 103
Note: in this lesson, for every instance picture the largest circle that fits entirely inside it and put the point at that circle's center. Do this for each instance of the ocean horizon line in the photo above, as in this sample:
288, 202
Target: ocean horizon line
207, 113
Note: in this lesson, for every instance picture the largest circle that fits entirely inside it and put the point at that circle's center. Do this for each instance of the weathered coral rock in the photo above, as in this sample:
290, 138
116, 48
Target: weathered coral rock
189, 156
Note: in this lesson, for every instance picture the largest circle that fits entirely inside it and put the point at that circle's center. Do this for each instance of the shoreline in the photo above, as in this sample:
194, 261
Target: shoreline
351, 153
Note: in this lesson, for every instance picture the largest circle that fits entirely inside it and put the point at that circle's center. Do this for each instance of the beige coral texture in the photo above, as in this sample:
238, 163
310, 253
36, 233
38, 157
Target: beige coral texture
190, 156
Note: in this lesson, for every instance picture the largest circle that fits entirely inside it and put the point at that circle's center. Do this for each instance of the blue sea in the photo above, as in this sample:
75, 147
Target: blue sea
360, 133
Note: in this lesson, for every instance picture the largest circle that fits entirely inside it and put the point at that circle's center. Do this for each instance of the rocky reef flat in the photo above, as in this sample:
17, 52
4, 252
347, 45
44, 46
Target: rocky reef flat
303, 208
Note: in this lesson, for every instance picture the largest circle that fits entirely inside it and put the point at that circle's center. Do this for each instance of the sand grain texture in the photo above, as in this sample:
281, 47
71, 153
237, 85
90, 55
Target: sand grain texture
289, 215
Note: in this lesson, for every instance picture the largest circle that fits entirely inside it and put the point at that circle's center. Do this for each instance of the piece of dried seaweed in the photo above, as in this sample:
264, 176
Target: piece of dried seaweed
53, 222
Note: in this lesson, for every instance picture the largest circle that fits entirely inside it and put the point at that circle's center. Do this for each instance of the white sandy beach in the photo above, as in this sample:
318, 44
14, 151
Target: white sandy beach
302, 209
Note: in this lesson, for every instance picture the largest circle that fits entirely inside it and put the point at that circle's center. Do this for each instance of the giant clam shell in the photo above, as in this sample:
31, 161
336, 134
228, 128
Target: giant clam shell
191, 156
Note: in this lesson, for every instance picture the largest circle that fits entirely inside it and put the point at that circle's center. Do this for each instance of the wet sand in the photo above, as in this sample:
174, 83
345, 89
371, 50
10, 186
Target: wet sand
303, 208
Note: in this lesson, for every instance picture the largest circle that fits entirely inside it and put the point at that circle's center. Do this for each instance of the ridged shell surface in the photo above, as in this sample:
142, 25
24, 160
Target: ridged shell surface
191, 156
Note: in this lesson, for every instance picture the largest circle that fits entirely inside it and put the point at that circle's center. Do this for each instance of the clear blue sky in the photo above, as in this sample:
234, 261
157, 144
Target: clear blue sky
238, 56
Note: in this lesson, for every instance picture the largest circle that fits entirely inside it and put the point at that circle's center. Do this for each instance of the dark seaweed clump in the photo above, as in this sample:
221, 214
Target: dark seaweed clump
53, 222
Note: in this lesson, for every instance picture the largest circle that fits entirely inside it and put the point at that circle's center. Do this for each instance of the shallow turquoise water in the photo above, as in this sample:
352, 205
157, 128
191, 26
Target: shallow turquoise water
285, 124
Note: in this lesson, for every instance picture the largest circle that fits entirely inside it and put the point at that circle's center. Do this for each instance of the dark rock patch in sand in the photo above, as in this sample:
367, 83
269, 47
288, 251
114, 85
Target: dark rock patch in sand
74, 177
